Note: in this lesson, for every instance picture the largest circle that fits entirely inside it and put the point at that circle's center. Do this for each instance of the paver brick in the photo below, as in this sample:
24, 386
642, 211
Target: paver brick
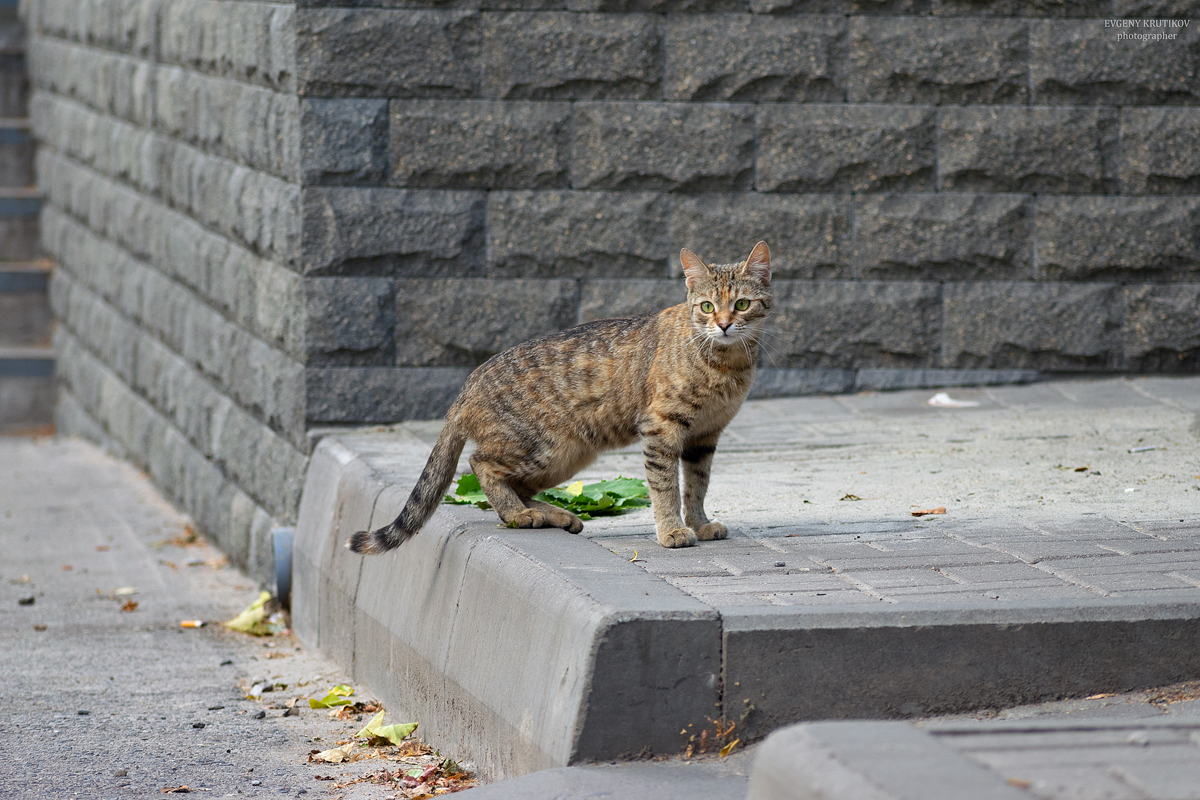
473, 144
940, 61
454, 322
958, 237
1118, 238
571, 56
577, 234
743, 57
863, 148
1160, 151
676, 146
374, 52
1047, 150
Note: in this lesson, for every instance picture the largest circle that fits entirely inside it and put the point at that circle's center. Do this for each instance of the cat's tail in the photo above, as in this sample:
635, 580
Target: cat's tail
431, 486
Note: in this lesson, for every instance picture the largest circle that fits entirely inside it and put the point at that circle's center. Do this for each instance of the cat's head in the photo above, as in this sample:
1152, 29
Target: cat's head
728, 302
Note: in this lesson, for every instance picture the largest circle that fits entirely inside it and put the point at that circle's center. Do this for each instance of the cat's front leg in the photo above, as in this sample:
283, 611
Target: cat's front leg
662, 476
697, 466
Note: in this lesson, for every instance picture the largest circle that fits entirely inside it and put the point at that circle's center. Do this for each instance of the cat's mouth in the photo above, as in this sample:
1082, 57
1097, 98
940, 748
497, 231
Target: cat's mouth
724, 337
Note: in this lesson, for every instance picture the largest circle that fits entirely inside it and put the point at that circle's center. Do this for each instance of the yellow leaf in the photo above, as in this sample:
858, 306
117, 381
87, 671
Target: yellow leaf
727, 749
335, 756
575, 489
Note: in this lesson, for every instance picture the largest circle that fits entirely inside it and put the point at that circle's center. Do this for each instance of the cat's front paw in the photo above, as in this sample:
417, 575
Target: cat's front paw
680, 537
529, 518
711, 530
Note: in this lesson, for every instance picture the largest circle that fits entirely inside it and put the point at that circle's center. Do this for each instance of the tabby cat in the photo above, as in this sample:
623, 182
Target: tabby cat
541, 411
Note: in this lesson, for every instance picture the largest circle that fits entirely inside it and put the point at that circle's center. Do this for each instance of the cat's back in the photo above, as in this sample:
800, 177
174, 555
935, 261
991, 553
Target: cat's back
593, 374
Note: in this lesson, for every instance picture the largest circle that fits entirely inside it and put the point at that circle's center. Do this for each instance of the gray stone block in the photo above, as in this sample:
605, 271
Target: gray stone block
349, 321
343, 141
479, 144
751, 57
1077, 62
677, 146
381, 394
939, 61
809, 235
371, 231
1118, 238
842, 7
1049, 150
659, 6
1162, 328
821, 148
955, 237
249, 42
1054, 327
1022, 8
1146, 9
462, 322
577, 234
844, 324
372, 52
1160, 151
569, 56
606, 299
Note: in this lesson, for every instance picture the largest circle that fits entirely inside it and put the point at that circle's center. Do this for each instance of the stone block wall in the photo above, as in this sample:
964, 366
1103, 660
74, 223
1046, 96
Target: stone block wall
272, 217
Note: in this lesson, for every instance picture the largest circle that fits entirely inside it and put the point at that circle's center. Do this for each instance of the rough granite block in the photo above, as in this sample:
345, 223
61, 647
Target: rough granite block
343, 141
1079, 62
1162, 328
660, 6
578, 234
372, 231
954, 237
1053, 327
381, 394
250, 42
1022, 8
1160, 151
462, 322
845, 324
677, 146
1146, 9
841, 7
1049, 150
745, 57
568, 56
940, 61
822, 148
372, 52
131, 27
809, 235
479, 144
349, 321
1118, 238
605, 299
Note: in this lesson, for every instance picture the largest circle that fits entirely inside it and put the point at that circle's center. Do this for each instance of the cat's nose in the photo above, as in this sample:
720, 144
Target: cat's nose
724, 326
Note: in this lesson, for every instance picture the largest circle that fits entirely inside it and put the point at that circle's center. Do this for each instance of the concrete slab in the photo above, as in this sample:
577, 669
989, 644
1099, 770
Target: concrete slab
532, 650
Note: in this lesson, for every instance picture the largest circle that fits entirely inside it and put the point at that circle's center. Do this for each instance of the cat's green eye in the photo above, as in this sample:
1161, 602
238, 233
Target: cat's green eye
742, 305
707, 307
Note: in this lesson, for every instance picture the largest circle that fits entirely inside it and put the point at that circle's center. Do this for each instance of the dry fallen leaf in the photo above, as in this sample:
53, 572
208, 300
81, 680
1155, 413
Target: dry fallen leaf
175, 789
1019, 783
924, 511
100, 548
335, 755
130, 605
849, 496
1099, 696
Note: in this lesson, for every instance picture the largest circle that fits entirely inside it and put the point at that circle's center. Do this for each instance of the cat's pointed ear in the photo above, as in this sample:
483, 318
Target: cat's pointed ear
758, 265
693, 268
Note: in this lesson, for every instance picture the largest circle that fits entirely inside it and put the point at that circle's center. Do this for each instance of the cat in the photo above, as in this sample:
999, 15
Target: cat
543, 410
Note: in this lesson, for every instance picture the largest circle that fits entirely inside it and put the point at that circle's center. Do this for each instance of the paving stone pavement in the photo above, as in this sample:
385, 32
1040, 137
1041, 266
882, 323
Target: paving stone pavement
1049, 496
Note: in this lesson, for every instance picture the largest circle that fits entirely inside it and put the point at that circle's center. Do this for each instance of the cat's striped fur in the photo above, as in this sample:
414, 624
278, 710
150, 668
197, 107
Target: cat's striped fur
543, 410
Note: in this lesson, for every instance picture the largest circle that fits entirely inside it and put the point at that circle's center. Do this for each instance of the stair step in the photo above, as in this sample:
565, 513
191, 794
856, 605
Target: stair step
16, 153
19, 207
26, 319
26, 362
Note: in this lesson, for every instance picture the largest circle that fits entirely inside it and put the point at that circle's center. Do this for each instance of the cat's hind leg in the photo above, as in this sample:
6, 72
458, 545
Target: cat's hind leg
558, 517
495, 480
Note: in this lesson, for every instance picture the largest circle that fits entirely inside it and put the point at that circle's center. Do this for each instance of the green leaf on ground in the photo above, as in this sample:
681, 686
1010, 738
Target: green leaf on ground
604, 498
373, 730
338, 696
255, 620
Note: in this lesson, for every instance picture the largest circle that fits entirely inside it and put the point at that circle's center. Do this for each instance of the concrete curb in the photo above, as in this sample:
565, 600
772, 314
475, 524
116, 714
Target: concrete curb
531, 650
526, 651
